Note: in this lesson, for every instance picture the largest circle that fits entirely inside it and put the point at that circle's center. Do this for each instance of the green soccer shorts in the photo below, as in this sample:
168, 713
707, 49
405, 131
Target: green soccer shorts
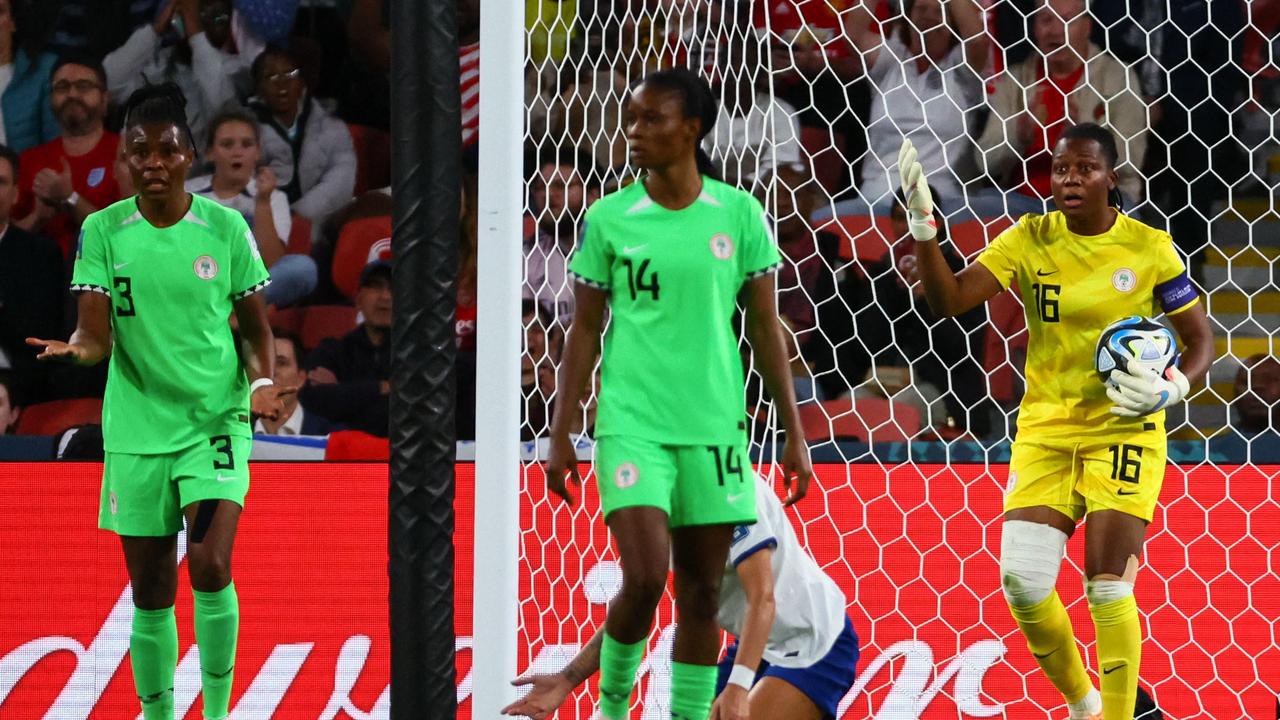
693, 484
143, 495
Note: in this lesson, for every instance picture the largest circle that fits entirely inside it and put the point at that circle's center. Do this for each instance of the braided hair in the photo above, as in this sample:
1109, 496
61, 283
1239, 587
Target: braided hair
1110, 152
162, 103
698, 101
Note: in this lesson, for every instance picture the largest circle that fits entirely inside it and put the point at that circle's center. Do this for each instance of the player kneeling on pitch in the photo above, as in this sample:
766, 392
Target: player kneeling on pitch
795, 654
1084, 448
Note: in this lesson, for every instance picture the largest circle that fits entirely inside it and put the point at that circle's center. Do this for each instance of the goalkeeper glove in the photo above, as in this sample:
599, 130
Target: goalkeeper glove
1139, 392
916, 190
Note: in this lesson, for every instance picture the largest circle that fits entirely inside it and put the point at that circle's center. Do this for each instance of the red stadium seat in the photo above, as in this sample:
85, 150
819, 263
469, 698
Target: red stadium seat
359, 239
299, 237
51, 418
864, 419
862, 237
285, 318
373, 158
320, 322
356, 446
971, 236
1005, 348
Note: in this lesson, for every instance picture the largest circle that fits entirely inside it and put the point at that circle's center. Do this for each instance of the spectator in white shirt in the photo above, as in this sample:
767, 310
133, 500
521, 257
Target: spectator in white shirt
754, 131
238, 183
294, 420
926, 73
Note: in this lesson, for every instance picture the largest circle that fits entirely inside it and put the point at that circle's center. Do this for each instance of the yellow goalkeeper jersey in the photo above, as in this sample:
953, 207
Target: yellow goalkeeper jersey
1072, 287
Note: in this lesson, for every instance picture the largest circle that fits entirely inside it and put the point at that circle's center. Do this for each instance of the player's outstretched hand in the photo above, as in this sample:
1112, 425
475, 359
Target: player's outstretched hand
916, 190
545, 696
57, 350
796, 468
268, 401
562, 460
732, 704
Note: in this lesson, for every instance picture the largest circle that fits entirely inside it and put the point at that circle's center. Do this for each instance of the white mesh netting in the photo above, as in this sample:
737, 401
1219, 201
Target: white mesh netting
909, 418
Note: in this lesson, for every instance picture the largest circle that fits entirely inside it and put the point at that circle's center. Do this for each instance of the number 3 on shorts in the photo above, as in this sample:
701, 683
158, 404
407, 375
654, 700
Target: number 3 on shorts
222, 446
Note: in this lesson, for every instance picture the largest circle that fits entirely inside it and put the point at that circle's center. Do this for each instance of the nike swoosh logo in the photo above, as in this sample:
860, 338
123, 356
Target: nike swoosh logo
1042, 273
1038, 656
225, 478
626, 250
1122, 492
119, 265
1108, 671
733, 498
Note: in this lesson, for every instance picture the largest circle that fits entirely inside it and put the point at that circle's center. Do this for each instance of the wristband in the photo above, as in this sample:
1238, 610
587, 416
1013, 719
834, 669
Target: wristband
260, 383
742, 676
73, 199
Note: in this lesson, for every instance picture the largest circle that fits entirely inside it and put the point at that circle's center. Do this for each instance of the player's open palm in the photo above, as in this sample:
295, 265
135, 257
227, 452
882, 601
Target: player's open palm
57, 350
732, 704
546, 695
797, 469
562, 461
268, 402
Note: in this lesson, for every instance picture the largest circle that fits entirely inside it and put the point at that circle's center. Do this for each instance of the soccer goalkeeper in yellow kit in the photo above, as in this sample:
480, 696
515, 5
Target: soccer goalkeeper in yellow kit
1082, 451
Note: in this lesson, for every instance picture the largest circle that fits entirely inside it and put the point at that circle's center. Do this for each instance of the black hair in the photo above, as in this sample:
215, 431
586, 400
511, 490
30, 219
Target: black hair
293, 339
162, 103
231, 115
1110, 152
82, 60
7, 153
938, 216
567, 155
698, 101
272, 50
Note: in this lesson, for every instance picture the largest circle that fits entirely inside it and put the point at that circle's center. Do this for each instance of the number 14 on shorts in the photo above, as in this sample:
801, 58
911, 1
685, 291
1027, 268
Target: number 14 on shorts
727, 462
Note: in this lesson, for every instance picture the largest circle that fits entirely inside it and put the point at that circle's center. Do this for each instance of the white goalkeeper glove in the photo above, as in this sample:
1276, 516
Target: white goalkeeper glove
1139, 392
916, 190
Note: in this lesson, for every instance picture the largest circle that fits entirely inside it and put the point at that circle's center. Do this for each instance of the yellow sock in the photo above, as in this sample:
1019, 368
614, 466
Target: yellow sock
1047, 629
1119, 655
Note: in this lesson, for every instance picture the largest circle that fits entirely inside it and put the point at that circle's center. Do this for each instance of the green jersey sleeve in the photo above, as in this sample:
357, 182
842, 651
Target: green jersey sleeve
248, 274
92, 270
760, 254
593, 260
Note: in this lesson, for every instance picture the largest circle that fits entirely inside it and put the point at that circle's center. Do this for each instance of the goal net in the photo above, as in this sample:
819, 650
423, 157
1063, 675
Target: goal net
910, 418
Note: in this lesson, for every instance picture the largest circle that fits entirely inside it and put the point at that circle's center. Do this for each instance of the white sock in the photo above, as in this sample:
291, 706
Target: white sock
1087, 707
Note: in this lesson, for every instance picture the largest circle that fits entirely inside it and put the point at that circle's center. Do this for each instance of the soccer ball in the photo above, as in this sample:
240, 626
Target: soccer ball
1148, 342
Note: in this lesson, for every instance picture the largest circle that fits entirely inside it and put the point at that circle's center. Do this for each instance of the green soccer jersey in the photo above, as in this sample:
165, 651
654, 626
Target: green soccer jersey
671, 369
175, 377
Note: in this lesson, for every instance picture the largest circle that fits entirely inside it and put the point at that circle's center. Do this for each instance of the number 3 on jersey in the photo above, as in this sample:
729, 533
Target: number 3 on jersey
638, 281
124, 296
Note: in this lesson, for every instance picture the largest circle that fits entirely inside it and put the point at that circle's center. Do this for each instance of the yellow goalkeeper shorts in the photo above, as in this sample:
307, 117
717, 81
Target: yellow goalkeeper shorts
1079, 478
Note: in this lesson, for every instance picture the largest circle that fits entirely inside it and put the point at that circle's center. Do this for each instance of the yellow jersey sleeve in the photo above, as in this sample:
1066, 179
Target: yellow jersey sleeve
1002, 255
1174, 291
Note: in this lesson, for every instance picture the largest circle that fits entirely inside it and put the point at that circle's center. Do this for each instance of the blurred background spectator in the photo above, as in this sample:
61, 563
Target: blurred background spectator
1254, 433
1039, 98
308, 148
926, 72
9, 410
295, 420
24, 87
565, 183
538, 364
32, 289
349, 378
178, 47
239, 183
65, 179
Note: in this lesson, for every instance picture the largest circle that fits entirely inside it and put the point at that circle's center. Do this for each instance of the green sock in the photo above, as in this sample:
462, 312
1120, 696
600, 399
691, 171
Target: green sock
693, 688
618, 665
217, 625
153, 652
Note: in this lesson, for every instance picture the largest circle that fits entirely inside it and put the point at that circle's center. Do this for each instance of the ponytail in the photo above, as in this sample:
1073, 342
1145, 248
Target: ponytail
698, 102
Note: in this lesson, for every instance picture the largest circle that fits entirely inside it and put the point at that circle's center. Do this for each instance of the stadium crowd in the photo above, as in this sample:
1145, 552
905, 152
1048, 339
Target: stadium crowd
289, 102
